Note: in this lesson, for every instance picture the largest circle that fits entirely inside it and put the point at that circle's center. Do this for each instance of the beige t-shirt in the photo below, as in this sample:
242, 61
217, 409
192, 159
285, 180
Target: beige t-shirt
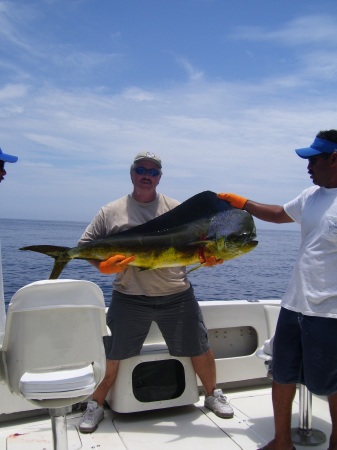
126, 213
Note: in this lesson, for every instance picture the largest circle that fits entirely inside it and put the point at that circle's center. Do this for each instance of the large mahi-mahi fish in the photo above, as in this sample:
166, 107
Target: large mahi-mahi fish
201, 226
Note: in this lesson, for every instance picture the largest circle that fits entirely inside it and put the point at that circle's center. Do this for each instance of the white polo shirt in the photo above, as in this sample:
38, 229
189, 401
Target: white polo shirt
313, 284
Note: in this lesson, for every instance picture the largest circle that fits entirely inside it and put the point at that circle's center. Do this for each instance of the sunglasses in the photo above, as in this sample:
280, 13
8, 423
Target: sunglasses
2, 165
144, 171
313, 159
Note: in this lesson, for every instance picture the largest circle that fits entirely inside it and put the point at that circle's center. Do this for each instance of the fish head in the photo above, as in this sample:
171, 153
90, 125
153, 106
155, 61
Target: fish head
232, 232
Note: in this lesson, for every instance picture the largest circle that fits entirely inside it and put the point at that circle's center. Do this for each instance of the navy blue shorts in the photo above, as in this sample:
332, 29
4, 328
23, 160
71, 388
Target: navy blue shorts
305, 351
178, 317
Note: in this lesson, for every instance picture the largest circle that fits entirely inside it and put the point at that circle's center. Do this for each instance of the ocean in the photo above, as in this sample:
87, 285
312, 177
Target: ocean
261, 274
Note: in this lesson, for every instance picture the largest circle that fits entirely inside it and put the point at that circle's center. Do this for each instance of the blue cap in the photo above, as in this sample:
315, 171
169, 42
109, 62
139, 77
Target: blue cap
317, 147
7, 158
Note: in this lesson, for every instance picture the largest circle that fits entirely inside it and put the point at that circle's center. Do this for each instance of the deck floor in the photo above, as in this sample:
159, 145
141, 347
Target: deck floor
190, 427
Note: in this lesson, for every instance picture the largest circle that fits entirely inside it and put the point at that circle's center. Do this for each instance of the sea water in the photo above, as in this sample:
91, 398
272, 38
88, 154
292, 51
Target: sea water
261, 274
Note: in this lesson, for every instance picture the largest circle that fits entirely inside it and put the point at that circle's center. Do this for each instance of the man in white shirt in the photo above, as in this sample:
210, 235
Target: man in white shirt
305, 344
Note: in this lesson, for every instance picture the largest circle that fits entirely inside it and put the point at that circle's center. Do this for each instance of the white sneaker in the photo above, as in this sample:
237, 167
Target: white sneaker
219, 405
91, 417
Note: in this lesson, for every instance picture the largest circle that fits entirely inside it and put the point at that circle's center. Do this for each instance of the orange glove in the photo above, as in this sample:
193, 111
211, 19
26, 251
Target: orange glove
235, 200
210, 261
115, 264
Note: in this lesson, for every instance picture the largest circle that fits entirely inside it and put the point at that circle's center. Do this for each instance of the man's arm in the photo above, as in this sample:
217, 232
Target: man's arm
114, 264
262, 211
269, 213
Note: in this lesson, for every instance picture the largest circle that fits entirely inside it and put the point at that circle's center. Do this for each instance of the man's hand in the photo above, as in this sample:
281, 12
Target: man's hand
210, 261
235, 200
115, 264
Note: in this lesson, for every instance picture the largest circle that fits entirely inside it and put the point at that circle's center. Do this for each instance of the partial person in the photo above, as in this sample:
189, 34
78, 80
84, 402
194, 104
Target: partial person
140, 297
305, 344
4, 157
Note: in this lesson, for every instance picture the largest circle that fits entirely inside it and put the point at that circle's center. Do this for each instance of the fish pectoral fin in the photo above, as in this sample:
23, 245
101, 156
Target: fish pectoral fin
141, 269
195, 268
220, 243
204, 242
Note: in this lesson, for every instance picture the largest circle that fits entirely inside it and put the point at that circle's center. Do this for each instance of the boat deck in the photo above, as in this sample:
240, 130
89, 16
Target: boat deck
186, 427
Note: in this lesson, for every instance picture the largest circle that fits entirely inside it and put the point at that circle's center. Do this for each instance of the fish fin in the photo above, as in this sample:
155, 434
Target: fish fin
202, 242
195, 268
50, 250
60, 255
57, 269
204, 204
142, 269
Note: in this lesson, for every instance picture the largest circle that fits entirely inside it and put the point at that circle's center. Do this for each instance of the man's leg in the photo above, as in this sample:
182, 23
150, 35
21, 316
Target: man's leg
282, 396
95, 412
110, 377
204, 367
333, 412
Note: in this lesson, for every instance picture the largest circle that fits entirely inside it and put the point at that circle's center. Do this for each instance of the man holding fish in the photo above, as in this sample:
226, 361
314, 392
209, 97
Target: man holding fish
305, 344
139, 297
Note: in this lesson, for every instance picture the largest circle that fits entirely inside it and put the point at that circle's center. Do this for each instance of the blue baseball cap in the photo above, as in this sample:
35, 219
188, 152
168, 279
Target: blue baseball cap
317, 147
7, 158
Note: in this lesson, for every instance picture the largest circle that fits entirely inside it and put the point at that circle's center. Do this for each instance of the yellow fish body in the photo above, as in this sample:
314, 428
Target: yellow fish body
201, 226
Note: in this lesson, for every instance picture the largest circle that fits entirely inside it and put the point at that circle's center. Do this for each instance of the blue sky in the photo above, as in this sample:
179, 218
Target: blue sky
222, 90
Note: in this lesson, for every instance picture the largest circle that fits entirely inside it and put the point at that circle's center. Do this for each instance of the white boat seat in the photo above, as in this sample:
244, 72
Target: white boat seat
53, 353
59, 384
265, 352
304, 434
268, 347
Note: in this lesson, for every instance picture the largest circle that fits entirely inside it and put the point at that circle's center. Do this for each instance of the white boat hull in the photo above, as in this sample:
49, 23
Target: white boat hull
236, 330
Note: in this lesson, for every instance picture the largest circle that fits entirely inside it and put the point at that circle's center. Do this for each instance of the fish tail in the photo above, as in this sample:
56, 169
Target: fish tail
60, 255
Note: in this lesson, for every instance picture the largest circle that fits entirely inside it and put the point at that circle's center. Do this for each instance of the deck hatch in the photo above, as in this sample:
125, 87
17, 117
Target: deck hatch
158, 380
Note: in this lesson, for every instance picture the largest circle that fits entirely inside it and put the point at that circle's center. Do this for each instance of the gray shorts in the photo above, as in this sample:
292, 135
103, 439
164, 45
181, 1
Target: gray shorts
178, 317
305, 351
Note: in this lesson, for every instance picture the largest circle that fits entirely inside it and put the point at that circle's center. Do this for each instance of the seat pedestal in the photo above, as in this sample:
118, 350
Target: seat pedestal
59, 427
304, 434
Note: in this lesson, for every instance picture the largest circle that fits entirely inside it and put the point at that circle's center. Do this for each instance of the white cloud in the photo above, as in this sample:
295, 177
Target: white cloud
81, 60
13, 91
193, 73
244, 147
138, 95
307, 30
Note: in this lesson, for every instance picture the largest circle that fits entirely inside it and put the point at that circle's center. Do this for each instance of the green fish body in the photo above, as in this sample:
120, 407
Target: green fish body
200, 227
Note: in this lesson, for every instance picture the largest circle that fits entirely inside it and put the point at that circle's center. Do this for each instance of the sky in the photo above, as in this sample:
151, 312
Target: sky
222, 90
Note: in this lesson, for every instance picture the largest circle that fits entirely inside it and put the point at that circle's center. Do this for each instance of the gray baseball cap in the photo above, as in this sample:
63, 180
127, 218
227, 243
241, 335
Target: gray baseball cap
148, 156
